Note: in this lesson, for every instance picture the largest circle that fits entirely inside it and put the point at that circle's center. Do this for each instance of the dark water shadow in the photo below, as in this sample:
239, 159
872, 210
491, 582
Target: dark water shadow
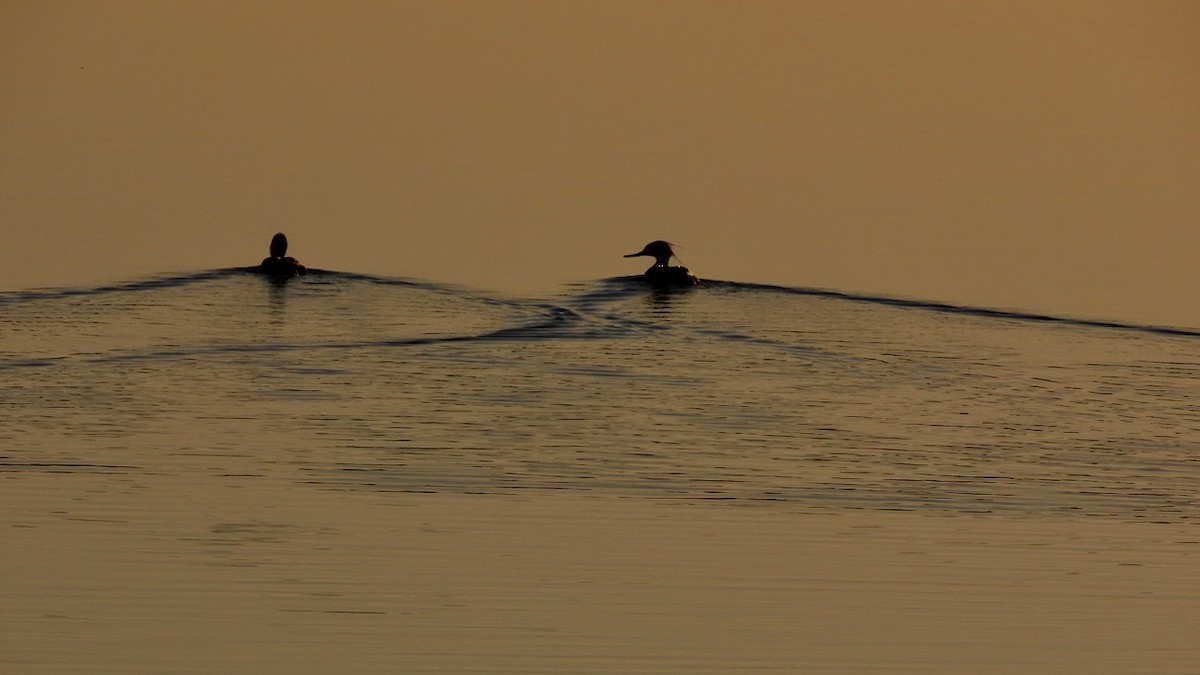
663, 300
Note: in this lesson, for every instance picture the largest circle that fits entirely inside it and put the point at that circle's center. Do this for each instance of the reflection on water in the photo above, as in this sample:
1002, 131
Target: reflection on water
780, 398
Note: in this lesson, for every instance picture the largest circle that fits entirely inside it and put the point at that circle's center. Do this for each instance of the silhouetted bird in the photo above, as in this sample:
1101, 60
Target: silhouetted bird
662, 273
279, 264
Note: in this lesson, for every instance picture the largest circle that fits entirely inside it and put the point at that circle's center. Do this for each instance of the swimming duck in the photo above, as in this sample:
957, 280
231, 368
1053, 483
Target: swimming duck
662, 273
278, 264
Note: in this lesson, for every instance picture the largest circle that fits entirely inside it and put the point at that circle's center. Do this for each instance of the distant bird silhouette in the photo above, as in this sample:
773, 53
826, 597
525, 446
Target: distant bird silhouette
278, 264
662, 273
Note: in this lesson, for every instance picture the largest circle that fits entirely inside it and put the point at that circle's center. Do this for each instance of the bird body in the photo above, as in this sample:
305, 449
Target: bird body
279, 264
662, 273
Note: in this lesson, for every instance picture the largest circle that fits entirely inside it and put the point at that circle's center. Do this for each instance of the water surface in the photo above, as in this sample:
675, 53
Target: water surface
215, 472
751, 394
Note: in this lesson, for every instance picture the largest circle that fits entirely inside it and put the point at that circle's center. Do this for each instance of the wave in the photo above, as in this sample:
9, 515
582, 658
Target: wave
949, 308
154, 283
192, 278
224, 311
595, 299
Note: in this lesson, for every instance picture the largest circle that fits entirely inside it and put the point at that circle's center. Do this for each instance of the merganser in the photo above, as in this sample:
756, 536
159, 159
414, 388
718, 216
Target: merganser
279, 265
662, 273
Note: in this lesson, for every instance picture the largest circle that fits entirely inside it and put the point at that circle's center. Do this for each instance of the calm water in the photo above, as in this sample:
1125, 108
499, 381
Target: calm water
760, 396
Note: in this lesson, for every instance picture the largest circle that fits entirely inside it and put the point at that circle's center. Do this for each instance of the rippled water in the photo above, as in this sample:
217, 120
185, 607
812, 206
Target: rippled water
775, 397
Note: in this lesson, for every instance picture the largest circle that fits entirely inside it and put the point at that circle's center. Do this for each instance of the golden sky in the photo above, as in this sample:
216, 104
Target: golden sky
1024, 155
